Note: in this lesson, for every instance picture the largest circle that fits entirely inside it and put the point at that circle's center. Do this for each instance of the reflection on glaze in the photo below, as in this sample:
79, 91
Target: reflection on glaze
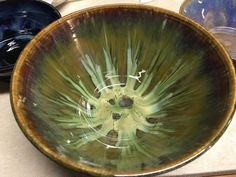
10, 49
21, 100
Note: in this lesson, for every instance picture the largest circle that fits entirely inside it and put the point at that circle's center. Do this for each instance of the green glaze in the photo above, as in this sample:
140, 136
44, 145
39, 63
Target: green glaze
125, 90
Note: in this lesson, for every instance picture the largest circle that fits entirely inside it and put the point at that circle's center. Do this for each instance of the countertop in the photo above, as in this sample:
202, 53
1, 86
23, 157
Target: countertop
19, 158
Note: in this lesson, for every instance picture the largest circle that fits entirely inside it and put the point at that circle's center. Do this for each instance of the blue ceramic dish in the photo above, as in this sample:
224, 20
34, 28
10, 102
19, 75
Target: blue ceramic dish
20, 21
211, 13
218, 16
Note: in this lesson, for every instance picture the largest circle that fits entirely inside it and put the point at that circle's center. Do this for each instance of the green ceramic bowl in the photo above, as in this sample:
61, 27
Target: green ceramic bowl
123, 90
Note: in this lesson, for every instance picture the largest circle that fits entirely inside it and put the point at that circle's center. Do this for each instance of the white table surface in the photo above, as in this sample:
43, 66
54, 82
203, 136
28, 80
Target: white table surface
19, 158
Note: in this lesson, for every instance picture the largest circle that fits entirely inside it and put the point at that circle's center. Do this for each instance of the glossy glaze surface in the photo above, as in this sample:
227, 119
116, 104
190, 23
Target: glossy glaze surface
20, 21
109, 92
218, 16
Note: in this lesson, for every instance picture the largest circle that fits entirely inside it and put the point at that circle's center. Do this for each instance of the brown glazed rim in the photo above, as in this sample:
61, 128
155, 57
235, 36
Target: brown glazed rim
38, 142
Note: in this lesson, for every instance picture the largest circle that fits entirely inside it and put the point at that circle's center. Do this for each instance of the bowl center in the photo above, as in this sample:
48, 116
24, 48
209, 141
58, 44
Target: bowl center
120, 107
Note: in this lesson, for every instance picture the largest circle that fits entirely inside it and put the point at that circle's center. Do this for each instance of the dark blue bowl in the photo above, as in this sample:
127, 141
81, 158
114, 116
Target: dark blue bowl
20, 21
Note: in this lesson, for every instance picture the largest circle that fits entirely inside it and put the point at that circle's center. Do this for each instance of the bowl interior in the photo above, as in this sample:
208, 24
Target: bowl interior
20, 21
123, 89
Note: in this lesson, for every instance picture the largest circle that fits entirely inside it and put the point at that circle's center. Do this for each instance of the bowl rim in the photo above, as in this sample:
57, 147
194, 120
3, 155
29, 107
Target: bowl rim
35, 139
38, 2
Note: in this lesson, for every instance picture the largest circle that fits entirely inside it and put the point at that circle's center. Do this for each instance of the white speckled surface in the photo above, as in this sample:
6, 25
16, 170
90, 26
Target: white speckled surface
18, 158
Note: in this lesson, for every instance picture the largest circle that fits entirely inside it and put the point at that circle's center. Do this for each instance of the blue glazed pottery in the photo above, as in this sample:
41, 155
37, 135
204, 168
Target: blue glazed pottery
20, 21
218, 16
